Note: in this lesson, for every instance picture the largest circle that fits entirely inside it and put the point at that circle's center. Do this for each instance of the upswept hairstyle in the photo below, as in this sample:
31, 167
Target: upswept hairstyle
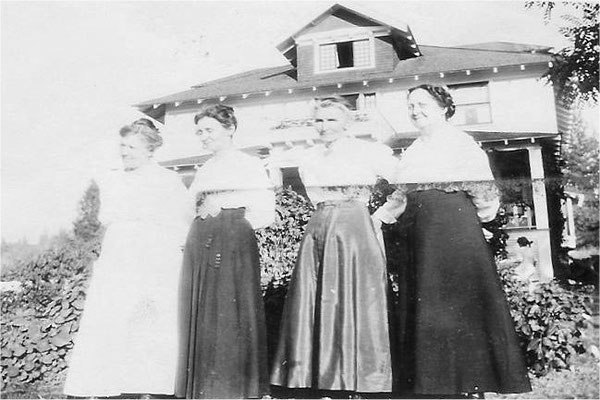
146, 129
333, 101
222, 113
441, 94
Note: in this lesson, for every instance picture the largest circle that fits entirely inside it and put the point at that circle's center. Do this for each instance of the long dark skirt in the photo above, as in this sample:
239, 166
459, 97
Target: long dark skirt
453, 330
223, 351
334, 330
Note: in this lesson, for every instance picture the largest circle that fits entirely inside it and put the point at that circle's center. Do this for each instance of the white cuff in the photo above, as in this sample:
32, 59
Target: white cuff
384, 216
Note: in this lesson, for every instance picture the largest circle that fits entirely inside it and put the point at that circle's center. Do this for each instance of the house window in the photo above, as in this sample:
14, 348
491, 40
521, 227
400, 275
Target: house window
350, 54
370, 101
360, 102
290, 178
352, 100
472, 103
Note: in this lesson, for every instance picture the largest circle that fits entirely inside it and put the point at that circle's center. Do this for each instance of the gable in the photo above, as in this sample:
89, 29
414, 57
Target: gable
333, 35
338, 20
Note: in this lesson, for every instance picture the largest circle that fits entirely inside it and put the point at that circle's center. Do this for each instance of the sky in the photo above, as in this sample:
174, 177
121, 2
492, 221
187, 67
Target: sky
71, 71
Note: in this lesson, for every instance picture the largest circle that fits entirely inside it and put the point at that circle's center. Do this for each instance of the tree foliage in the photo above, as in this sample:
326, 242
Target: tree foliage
581, 172
574, 72
87, 225
580, 154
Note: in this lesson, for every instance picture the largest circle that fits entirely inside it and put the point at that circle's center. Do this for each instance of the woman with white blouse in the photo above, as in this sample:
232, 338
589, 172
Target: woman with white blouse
334, 330
127, 341
223, 351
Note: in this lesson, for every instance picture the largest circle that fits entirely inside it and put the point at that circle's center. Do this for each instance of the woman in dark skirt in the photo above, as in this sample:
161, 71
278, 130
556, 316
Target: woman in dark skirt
223, 351
334, 331
453, 333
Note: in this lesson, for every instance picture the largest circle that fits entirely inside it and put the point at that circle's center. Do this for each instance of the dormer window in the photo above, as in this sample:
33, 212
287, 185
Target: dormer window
347, 54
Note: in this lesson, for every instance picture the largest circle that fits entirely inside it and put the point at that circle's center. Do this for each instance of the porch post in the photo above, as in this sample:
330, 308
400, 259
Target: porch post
569, 238
540, 207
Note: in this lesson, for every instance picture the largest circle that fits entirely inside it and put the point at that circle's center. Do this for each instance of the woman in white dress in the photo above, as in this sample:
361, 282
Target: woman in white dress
334, 330
127, 341
222, 321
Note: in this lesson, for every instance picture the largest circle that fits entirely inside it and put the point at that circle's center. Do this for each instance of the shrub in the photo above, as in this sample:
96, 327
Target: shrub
278, 244
549, 320
38, 323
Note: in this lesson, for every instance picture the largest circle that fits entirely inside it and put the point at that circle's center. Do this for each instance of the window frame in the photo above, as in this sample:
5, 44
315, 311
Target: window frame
317, 53
488, 101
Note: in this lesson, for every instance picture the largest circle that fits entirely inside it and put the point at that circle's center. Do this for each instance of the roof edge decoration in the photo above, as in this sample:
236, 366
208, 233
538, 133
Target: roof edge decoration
456, 60
428, 62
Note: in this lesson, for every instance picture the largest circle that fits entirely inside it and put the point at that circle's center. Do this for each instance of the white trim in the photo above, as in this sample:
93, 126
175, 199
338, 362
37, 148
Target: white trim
361, 34
342, 35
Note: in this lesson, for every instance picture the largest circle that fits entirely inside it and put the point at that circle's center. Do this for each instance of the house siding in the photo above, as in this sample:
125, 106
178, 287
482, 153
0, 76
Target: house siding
259, 114
306, 62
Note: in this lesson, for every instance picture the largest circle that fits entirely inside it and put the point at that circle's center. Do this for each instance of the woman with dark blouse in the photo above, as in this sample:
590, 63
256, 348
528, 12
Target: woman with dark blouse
453, 333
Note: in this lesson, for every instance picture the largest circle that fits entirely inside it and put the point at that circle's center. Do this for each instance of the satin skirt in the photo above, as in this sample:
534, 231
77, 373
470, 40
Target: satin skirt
334, 330
223, 345
453, 332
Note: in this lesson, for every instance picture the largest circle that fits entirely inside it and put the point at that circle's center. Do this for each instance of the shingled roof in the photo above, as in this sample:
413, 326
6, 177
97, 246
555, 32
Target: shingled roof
508, 47
434, 59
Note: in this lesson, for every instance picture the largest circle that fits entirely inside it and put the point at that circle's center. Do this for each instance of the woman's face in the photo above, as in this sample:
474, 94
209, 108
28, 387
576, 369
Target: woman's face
424, 110
331, 123
213, 135
135, 152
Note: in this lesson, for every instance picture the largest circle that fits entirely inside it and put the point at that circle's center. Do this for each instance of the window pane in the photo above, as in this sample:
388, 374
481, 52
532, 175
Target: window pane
291, 179
472, 114
345, 55
470, 94
370, 101
362, 53
327, 57
352, 100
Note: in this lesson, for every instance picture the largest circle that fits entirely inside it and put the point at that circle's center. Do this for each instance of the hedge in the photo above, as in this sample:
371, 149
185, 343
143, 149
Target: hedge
38, 324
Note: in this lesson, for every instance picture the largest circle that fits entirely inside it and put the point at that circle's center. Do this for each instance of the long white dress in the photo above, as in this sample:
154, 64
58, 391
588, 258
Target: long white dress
128, 339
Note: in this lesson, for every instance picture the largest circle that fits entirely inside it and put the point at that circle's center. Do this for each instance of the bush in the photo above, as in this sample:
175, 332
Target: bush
549, 320
39, 322
279, 243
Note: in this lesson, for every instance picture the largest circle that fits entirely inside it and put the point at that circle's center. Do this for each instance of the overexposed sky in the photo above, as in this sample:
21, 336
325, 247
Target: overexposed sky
70, 72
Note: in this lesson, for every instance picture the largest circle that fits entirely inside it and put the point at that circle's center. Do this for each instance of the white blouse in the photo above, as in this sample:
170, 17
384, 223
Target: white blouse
453, 157
233, 180
150, 195
346, 169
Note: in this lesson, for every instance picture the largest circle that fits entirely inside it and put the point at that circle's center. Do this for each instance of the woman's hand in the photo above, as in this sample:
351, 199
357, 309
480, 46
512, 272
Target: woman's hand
395, 205
209, 207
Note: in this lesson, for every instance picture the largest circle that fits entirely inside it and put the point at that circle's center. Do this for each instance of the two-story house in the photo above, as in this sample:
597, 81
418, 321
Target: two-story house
372, 61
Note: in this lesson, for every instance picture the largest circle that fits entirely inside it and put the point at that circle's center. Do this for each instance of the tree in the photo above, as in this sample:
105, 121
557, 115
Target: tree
87, 225
581, 153
574, 72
